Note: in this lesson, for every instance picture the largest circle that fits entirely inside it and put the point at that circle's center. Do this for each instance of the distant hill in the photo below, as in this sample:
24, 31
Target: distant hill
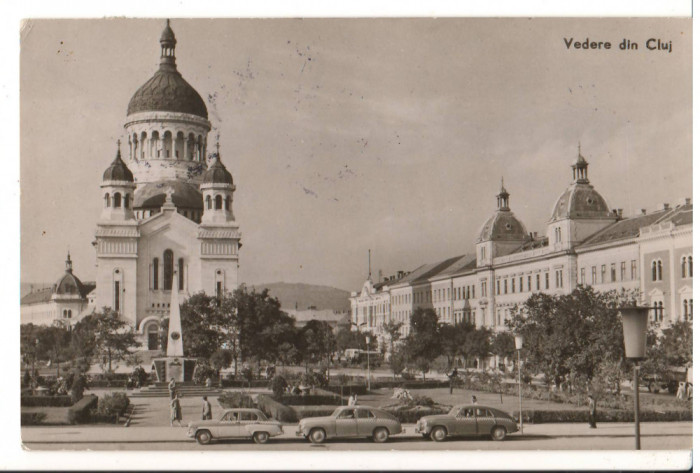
305, 295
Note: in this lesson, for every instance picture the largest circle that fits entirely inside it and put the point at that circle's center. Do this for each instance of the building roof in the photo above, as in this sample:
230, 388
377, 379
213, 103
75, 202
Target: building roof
36, 297
167, 91
503, 225
217, 173
118, 170
580, 200
152, 195
629, 227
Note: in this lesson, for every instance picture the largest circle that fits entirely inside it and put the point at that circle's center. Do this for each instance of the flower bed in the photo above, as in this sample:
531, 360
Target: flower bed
232, 400
410, 415
110, 407
311, 400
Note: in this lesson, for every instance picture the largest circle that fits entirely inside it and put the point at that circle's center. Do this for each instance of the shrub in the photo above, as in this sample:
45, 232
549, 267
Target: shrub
278, 384
77, 388
407, 375
410, 415
238, 383
535, 416
347, 390
202, 372
303, 412
276, 410
110, 407
32, 418
46, 401
26, 379
310, 400
232, 400
422, 401
79, 413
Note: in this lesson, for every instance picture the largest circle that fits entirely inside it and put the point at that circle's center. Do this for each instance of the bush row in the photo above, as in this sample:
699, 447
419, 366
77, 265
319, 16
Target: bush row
46, 401
110, 407
239, 383
302, 412
311, 400
411, 415
535, 416
79, 413
276, 410
348, 389
232, 400
32, 418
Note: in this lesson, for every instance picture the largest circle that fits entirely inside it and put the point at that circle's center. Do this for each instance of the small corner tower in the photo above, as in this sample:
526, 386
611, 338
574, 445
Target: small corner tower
118, 190
217, 192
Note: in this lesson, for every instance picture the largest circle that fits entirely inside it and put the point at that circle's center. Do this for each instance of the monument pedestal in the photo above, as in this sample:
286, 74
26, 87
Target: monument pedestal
180, 369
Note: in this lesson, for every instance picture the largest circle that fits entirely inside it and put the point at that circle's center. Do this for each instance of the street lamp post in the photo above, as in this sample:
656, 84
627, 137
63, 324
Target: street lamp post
634, 329
518, 347
369, 382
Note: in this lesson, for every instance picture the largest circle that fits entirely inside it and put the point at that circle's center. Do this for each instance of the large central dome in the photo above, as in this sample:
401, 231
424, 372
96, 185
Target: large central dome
167, 91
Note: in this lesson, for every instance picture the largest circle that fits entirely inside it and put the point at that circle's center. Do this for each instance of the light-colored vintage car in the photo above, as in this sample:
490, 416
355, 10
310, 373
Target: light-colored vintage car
235, 423
351, 421
467, 420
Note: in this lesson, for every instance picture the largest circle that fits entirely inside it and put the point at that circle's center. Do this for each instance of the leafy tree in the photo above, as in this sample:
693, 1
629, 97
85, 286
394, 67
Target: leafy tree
114, 338
201, 317
221, 359
398, 360
319, 342
676, 343
503, 345
54, 344
571, 335
423, 341
452, 338
477, 344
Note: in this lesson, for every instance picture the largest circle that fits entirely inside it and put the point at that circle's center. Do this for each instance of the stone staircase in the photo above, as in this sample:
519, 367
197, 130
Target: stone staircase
186, 389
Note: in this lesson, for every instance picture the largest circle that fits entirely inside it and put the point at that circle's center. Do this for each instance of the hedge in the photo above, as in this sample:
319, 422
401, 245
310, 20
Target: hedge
411, 415
311, 400
32, 418
110, 407
535, 416
348, 389
240, 383
276, 410
232, 400
303, 412
79, 413
46, 401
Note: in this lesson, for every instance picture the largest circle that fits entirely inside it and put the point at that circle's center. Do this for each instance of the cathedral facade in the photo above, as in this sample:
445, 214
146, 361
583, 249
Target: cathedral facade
586, 243
167, 222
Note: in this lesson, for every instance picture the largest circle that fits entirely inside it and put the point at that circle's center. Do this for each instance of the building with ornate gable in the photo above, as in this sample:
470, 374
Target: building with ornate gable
586, 243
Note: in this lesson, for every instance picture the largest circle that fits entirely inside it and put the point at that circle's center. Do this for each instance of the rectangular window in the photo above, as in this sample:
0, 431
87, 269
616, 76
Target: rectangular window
594, 276
116, 296
633, 269
505, 286
483, 288
473, 290
582, 279
529, 284
537, 281
181, 274
546, 280
219, 290
622, 271
602, 274
613, 275
498, 288
521, 284
559, 276
512, 285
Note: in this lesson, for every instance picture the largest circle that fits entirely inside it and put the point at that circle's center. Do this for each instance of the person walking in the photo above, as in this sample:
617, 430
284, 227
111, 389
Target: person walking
171, 388
352, 400
206, 409
175, 411
591, 412
473, 399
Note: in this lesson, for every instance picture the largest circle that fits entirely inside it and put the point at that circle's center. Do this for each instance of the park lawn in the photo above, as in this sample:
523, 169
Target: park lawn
54, 415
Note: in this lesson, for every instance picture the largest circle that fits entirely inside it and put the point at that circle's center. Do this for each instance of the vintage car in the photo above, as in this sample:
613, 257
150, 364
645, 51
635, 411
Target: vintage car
351, 421
467, 420
235, 423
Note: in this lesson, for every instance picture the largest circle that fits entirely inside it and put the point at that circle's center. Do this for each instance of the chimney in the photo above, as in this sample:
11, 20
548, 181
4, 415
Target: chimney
381, 275
666, 206
619, 213
535, 234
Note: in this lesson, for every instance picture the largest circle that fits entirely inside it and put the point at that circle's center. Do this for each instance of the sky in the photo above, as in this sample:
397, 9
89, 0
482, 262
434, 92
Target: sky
354, 134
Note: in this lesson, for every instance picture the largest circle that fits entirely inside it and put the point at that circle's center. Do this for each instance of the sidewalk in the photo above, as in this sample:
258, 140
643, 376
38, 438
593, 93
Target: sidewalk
75, 435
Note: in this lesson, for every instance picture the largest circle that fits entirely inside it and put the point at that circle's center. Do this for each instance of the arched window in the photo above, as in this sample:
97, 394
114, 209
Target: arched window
228, 203
659, 273
685, 309
683, 270
168, 270
155, 273
70, 313
106, 200
656, 311
117, 200
217, 202
690, 267
181, 274
653, 271
208, 199
661, 311
65, 313
126, 201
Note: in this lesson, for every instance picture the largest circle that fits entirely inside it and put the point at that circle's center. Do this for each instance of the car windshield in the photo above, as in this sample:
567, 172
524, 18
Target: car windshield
454, 411
344, 413
261, 415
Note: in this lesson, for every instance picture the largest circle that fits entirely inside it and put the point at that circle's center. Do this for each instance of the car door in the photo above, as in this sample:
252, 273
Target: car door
346, 423
484, 420
228, 426
366, 422
465, 422
246, 418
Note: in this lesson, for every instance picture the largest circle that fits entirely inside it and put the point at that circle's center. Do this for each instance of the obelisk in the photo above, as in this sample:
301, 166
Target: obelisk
174, 325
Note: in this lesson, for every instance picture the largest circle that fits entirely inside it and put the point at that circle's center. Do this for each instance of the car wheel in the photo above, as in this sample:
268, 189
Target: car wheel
438, 434
380, 435
261, 437
498, 433
317, 435
203, 437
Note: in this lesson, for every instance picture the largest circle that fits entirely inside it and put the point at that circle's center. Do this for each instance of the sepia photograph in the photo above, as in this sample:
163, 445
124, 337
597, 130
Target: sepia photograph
441, 235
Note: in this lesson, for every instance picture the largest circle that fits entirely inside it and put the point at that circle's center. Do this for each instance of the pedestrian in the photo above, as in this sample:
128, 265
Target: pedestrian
171, 388
591, 412
206, 409
680, 394
175, 411
352, 400
473, 399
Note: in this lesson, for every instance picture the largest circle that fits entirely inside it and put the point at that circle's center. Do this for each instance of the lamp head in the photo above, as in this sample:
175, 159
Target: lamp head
634, 329
518, 341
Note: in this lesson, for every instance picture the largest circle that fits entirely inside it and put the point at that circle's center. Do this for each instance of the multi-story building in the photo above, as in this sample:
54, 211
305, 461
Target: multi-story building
586, 243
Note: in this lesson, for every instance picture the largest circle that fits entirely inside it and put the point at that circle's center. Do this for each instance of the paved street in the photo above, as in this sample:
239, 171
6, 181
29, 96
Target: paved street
617, 436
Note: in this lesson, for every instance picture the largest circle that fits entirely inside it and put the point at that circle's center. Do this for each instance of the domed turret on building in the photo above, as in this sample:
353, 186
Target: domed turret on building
501, 233
579, 211
118, 187
217, 191
69, 284
118, 170
167, 124
217, 173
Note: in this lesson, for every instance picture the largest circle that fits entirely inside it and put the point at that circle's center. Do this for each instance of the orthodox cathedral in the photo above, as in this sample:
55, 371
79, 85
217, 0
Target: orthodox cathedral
167, 222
